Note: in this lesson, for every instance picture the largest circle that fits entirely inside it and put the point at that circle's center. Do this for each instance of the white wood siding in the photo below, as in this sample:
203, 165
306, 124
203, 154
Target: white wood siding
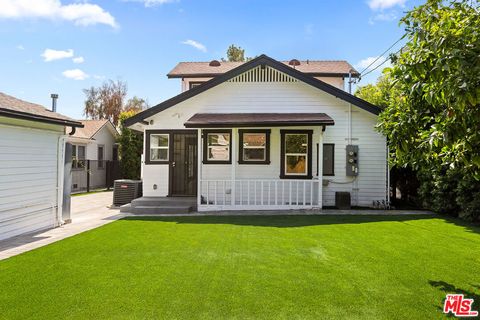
285, 97
28, 179
103, 137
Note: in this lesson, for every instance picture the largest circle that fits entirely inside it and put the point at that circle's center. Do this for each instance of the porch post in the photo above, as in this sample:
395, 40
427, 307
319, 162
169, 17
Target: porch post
320, 169
199, 168
234, 164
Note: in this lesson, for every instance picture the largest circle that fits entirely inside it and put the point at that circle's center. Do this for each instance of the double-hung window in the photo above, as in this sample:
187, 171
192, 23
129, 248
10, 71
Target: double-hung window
157, 144
78, 157
254, 146
217, 146
296, 154
100, 156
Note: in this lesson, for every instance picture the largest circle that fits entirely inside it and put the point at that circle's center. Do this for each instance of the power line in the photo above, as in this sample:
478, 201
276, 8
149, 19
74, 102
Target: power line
389, 48
380, 64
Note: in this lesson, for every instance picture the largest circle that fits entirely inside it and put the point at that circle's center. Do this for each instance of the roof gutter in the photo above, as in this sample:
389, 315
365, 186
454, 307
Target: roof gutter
32, 117
312, 74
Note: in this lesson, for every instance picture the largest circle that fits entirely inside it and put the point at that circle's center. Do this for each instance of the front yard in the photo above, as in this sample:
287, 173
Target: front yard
280, 267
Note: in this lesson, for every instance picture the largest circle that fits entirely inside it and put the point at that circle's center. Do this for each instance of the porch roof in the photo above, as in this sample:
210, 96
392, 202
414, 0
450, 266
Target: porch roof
228, 120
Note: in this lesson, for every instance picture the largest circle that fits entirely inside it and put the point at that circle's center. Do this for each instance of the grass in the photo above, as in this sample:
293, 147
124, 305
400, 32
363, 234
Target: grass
281, 267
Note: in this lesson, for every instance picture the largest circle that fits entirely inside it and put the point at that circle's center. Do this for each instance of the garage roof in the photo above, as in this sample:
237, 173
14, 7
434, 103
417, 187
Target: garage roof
15, 108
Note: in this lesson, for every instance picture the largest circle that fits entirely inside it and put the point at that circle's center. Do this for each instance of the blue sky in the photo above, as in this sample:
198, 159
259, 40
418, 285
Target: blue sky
140, 41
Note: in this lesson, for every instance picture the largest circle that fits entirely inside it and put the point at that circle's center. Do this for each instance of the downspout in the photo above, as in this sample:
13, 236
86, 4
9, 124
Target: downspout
60, 175
349, 129
388, 176
349, 136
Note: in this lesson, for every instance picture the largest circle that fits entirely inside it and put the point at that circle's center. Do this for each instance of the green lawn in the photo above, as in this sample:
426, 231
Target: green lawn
280, 267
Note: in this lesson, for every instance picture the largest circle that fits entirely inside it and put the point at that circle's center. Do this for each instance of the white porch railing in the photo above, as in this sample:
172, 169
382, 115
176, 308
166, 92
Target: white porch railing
258, 194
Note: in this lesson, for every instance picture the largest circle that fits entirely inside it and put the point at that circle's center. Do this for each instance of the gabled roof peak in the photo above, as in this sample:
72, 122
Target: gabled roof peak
258, 61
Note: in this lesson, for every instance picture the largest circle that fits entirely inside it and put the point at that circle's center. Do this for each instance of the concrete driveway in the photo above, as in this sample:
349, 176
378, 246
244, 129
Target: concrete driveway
88, 212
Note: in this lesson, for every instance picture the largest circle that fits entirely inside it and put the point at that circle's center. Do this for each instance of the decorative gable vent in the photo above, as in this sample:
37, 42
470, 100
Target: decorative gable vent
267, 74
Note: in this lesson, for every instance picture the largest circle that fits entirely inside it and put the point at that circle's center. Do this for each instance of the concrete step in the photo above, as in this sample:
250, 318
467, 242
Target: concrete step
161, 210
164, 202
126, 208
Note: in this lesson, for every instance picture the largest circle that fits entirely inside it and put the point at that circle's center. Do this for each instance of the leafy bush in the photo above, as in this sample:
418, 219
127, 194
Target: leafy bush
454, 192
131, 145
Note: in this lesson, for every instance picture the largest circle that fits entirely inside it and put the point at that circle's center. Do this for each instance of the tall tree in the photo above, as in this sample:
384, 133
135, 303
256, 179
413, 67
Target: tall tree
106, 101
136, 104
382, 93
435, 125
236, 54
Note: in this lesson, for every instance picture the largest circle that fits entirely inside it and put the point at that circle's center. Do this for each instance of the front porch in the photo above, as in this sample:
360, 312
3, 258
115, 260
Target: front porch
256, 194
259, 161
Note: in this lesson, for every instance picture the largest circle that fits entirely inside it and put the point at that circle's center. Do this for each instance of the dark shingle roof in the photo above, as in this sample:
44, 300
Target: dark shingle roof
219, 120
16, 108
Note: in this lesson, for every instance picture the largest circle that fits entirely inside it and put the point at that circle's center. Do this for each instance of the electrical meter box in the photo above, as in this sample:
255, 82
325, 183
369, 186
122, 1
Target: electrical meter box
352, 160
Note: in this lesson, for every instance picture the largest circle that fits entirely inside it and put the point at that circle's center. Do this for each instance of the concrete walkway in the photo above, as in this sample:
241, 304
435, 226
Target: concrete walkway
88, 212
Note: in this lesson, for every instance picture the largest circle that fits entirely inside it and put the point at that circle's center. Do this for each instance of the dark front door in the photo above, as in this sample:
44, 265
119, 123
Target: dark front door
183, 167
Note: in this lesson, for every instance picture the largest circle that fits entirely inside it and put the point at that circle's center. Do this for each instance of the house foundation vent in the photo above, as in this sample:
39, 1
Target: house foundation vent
342, 200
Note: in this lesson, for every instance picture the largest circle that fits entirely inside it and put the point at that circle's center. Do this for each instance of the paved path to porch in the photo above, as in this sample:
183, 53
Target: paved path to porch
88, 212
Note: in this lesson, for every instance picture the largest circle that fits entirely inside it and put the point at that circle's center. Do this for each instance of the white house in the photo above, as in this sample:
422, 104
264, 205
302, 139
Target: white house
32, 155
96, 142
263, 134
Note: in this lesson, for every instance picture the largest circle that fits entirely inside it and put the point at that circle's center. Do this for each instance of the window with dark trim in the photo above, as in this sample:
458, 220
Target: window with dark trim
254, 146
296, 154
193, 84
157, 144
78, 157
100, 156
328, 159
217, 146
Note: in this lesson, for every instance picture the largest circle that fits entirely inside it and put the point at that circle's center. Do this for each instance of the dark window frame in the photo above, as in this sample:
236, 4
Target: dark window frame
205, 146
267, 146
195, 84
77, 163
148, 133
100, 163
333, 160
309, 134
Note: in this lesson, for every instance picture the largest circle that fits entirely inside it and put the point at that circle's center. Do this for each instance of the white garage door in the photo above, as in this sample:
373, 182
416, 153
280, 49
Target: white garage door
28, 178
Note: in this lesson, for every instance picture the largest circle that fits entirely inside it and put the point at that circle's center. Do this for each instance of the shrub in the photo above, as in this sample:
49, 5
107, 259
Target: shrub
131, 145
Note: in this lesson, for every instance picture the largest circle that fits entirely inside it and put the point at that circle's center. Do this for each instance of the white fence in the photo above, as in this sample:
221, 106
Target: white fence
259, 194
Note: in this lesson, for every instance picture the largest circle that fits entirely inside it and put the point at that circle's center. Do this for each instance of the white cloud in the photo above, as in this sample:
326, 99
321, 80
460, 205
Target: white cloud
82, 14
384, 16
385, 4
75, 74
78, 60
98, 77
309, 29
20, 47
51, 54
364, 63
152, 3
195, 44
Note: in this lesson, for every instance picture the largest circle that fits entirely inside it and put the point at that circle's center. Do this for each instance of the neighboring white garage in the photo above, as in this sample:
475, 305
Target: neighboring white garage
32, 144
